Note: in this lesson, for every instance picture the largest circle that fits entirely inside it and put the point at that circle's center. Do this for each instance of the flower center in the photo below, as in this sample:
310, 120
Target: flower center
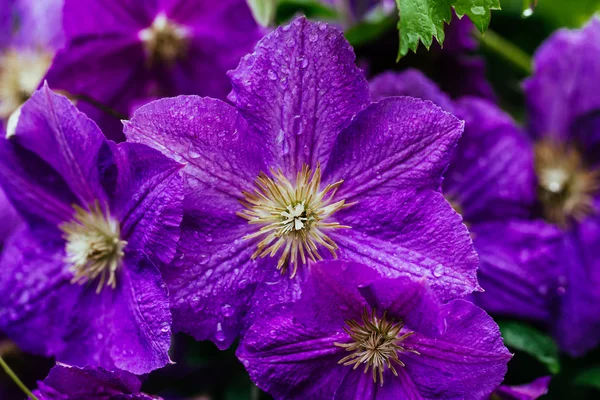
94, 246
164, 41
376, 343
566, 187
293, 217
20, 75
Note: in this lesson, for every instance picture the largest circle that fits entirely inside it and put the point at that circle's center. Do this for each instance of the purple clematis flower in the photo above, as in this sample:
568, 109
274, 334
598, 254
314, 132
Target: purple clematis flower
26, 50
564, 109
123, 54
65, 382
356, 335
529, 391
491, 182
303, 169
80, 279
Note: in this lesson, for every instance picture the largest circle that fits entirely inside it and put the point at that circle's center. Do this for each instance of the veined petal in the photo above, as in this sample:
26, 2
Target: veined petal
415, 234
563, 85
298, 89
519, 267
395, 144
208, 135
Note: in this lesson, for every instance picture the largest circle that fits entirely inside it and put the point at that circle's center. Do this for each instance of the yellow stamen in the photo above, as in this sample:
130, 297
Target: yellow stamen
293, 216
164, 41
93, 246
566, 187
375, 343
20, 75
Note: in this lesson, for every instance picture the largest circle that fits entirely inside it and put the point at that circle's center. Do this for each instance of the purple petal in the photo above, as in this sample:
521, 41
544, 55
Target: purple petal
298, 89
280, 354
330, 294
407, 300
411, 234
128, 328
564, 85
491, 175
411, 83
65, 382
398, 143
529, 391
101, 17
519, 267
223, 158
85, 66
53, 129
470, 352
145, 193
40, 23
36, 293
577, 329
9, 217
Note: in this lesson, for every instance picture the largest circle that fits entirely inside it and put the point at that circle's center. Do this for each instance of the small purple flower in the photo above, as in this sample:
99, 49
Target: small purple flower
564, 109
529, 391
356, 335
80, 279
26, 53
304, 168
124, 54
491, 182
66, 382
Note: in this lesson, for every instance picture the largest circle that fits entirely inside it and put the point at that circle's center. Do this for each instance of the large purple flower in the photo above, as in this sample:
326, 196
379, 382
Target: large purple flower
123, 54
65, 382
564, 110
303, 168
491, 182
80, 280
26, 53
356, 335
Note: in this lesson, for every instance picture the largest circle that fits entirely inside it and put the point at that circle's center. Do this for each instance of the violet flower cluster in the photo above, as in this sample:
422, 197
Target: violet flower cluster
350, 236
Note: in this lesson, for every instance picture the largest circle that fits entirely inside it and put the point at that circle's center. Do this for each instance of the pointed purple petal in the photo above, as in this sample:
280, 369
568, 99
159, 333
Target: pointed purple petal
298, 89
564, 85
529, 391
519, 267
397, 143
491, 174
410, 234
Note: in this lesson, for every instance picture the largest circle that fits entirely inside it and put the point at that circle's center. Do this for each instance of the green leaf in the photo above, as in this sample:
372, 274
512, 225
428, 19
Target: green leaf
287, 9
520, 336
369, 30
423, 20
263, 11
589, 377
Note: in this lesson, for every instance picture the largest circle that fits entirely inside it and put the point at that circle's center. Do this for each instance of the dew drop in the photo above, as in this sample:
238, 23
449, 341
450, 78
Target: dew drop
227, 310
438, 271
220, 335
271, 74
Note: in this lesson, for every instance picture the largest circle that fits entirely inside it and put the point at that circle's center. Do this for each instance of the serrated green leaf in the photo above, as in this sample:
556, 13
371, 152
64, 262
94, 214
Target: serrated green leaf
423, 20
263, 11
589, 377
523, 337
478, 11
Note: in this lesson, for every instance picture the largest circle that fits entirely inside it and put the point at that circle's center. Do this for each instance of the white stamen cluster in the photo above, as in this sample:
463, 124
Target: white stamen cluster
20, 75
566, 186
93, 246
164, 41
294, 216
376, 343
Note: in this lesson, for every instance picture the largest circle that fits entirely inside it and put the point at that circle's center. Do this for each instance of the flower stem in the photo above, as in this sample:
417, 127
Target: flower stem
16, 379
496, 43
